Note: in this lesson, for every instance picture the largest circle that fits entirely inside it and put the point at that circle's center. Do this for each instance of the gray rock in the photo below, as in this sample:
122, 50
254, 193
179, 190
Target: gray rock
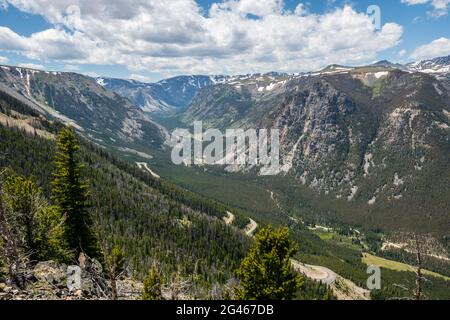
50, 272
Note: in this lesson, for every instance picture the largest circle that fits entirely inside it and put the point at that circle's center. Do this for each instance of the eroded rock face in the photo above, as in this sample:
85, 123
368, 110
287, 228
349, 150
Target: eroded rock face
319, 126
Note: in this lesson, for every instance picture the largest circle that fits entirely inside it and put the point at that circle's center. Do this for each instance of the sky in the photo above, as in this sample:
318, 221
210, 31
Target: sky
149, 40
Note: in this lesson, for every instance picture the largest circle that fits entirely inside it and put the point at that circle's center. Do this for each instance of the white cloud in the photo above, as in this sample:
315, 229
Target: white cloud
31, 66
413, 2
71, 67
140, 78
10, 40
440, 6
91, 74
50, 44
4, 59
402, 53
176, 36
259, 8
437, 48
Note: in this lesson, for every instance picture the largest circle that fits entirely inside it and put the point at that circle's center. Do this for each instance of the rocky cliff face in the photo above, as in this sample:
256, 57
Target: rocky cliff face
342, 125
237, 103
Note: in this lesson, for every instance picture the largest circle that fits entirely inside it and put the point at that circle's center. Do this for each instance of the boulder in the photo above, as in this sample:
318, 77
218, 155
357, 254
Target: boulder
51, 273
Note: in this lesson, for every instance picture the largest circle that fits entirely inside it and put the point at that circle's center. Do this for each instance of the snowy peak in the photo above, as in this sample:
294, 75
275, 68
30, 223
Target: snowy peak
439, 65
177, 92
172, 93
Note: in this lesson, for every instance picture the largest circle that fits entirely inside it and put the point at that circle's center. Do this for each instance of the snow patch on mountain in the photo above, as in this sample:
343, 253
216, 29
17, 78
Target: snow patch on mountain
101, 81
436, 66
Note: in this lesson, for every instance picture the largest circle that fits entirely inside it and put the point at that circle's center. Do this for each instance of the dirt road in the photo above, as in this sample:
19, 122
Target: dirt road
144, 166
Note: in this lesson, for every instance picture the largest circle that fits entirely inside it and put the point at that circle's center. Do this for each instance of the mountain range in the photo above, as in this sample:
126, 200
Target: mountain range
364, 154
178, 92
375, 137
167, 94
98, 114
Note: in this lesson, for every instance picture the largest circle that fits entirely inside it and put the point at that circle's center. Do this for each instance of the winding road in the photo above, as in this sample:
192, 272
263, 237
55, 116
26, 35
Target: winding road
251, 228
317, 273
229, 218
144, 166
343, 289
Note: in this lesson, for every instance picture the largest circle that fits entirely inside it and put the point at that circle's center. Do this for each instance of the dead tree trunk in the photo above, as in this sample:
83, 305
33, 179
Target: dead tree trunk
419, 247
419, 277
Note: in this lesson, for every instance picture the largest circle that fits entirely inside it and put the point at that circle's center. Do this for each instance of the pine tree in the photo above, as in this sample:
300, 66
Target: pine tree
50, 240
152, 286
266, 272
70, 194
30, 229
115, 263
24, 199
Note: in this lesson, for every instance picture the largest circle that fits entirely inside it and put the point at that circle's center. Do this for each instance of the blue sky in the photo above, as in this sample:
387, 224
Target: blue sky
148, 43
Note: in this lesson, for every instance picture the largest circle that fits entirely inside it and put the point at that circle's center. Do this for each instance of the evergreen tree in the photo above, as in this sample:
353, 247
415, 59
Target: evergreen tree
39, 226
50, 240
70, 194
266, 272
115, 263
152, 286
30, 229
138, 212
23, 198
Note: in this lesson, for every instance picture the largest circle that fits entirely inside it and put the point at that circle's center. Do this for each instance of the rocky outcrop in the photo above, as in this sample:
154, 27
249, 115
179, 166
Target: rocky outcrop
54, 281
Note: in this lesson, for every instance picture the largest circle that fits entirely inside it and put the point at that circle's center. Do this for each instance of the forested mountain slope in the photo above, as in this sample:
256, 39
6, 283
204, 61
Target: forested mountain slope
158, 224
97, 113
155, 223
375, 138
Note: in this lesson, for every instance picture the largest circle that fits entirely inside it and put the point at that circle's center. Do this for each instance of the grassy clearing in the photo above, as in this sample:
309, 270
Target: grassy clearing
325, 235
336, 238
396, 266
